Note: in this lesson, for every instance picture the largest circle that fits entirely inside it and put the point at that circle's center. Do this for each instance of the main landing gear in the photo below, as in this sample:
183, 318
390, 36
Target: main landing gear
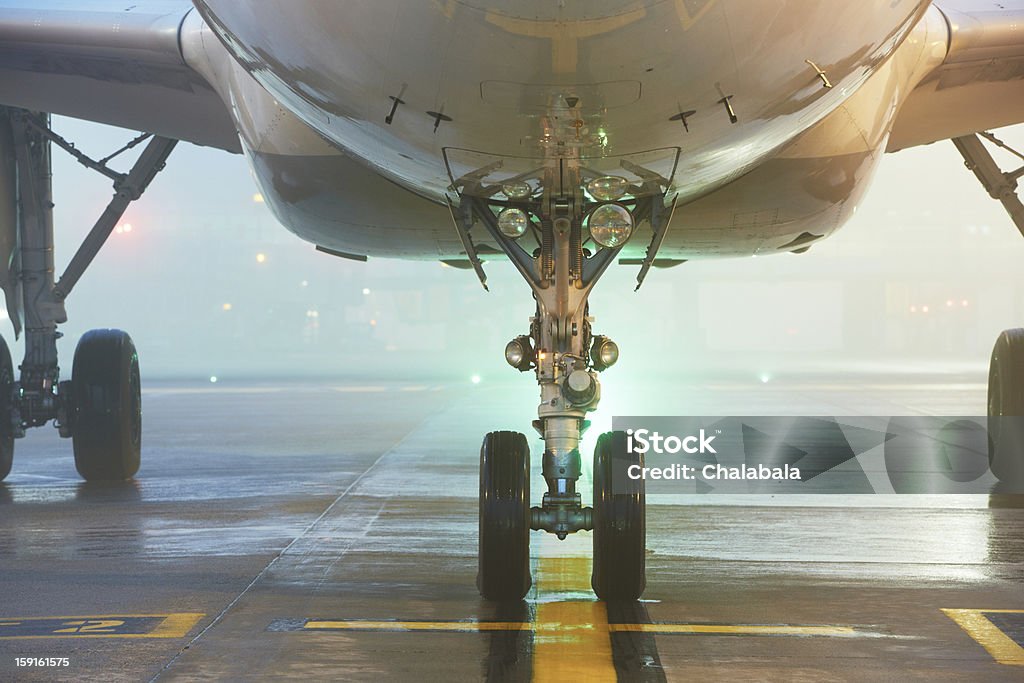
1006, 369
100, 408
578, 222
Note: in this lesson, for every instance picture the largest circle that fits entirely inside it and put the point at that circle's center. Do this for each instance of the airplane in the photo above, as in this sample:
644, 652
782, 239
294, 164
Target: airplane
563, 135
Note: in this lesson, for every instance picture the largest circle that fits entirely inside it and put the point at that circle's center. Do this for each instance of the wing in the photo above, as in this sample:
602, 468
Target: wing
980, 84
112, 61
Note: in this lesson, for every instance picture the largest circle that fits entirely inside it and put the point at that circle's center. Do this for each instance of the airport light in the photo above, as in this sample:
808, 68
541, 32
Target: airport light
513, 223
227, 307
475, 379
610, 225
261, 258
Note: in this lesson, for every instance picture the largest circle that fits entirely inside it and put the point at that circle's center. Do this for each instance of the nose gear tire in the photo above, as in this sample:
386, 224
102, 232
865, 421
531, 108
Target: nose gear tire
504, 552
620, 531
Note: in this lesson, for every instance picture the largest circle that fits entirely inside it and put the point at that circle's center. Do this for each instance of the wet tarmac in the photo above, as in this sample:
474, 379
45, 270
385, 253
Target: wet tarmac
328, 532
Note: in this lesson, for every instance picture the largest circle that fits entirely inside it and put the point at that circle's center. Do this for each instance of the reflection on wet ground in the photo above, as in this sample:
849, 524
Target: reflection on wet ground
329, 532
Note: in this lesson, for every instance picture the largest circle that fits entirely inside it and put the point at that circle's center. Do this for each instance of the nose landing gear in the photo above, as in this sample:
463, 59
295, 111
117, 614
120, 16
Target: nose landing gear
566, 358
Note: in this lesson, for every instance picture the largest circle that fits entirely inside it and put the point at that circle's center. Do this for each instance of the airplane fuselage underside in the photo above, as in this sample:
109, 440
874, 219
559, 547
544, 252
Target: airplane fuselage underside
766, 130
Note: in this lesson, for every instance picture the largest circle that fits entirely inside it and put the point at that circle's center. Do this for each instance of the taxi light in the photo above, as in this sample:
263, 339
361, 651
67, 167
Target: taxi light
513, 223
608, 188
516, 190
610, 225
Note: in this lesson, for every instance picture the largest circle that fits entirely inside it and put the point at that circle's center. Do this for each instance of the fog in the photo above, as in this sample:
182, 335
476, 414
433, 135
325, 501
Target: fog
209, 285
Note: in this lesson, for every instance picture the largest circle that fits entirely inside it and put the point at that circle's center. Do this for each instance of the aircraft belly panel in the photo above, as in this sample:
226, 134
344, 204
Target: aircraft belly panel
396, 83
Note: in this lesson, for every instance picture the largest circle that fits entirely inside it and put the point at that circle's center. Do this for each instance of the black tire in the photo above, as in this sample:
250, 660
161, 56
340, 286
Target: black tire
6, 410
106, 406
504, 553
1006, 407
620, 522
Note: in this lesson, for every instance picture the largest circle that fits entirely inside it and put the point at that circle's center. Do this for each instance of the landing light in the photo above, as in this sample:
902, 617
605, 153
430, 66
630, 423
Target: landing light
608, 188
513, 223
610, 225
516, 190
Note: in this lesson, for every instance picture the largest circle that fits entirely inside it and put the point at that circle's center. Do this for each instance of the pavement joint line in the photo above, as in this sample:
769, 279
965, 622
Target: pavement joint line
263, 572
1000, 646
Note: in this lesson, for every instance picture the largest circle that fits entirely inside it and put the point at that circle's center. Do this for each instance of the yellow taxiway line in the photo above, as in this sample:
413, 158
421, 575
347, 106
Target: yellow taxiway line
1002, 648
572, 638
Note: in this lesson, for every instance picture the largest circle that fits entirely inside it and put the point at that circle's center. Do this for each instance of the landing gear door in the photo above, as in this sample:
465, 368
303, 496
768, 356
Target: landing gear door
9, 280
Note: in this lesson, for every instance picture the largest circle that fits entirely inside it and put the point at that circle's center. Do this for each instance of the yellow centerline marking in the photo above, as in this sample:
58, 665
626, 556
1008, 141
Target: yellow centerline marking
572, 638
458, 626
1002, 648
738, 629
104, 626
